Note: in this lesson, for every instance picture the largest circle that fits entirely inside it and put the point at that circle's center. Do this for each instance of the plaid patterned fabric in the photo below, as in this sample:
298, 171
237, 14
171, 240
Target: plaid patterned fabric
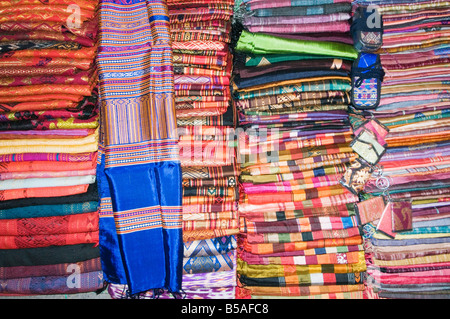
209, 207
305, 224
201, 79
245, 147
206, 200
302, 161
304, 280
210, 172
183, 35
247, 291
265, 102
278, 270
295, 107
221, 105
296, 196
295, 154
210, 191
268, 215
210, 61
221, 120
295, 117
211, 216
230, 181
286, 206
353, 257
270, 248
251, 258
304, 236
293, 185
209, 224
190, 235
326, 165
206, 153
319, 85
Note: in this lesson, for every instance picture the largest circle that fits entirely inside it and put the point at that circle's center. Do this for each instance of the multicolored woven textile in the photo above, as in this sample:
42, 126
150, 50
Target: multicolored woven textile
49, 119
205, 149
205, 120
139, 210
414, 106
291, 86
203, 62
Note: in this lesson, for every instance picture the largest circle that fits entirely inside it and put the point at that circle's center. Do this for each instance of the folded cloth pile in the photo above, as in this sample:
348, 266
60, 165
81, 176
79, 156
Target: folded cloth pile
318, 19
206, 119
413, 261
49, 226
298, 232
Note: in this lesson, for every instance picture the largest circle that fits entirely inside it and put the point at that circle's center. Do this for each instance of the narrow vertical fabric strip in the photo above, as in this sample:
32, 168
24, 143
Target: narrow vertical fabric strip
142, 172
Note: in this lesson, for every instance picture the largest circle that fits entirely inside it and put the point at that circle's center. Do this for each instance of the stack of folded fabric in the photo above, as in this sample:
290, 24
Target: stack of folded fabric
206, 120
202, 62
410, 255
49, 226
299, 234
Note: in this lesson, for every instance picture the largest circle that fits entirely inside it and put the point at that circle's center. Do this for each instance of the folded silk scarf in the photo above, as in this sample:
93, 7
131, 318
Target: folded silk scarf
77, 223
49, 192
49, 210
49, 270
47, 285
257, 43
308, 291
33, 241
315, 9
89, 194
142, 172
304, 280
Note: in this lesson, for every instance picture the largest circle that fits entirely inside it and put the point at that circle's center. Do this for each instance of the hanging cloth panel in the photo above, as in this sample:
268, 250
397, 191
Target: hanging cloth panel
141, 156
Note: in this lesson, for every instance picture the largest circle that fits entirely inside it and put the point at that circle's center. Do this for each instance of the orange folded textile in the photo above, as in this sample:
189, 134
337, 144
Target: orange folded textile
41, 98
9, 194
38, 105
44, 89
39, 166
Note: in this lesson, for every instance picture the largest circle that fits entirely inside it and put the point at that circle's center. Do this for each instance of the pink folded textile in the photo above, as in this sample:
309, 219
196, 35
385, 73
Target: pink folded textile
45, 174
268, 21
263, 4
339, 26
404, 98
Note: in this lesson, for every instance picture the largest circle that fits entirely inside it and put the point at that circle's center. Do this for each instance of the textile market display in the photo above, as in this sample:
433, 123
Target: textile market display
139, 167
299, 236
225, 149
49, 119
406, 241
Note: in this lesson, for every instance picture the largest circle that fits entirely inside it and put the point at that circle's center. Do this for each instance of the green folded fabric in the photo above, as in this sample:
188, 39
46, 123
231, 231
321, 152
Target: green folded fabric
49, 210
260, 44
